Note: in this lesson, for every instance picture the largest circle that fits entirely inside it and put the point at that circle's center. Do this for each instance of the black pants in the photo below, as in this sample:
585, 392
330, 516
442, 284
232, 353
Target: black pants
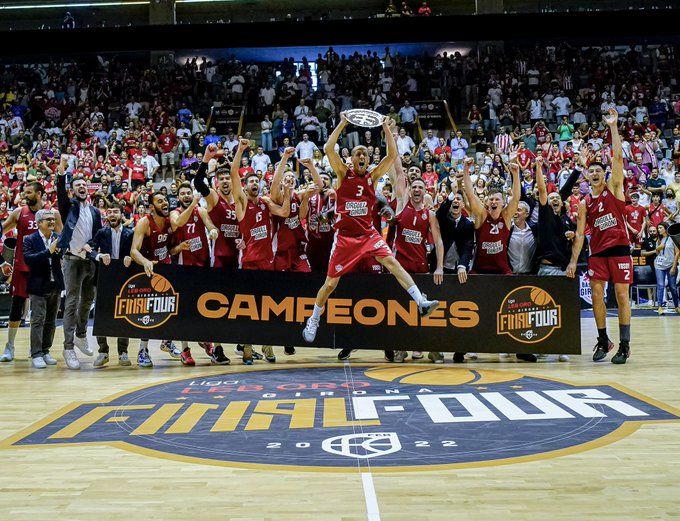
43, 319
104, 346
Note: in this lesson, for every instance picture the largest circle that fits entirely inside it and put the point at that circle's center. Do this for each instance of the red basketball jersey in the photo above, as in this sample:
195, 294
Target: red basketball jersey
412, 230
26, 225
289, 231
223, 215
193, 231
355, 200
257, 230
636, 216
155, 245
318, 228
492, 247
606, 216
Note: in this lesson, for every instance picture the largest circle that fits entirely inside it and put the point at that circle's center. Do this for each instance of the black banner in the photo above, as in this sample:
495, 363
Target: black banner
225, 117
516, 314
432, 115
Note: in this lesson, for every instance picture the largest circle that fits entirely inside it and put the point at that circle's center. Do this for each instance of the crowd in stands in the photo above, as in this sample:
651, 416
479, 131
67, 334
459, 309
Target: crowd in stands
129, 129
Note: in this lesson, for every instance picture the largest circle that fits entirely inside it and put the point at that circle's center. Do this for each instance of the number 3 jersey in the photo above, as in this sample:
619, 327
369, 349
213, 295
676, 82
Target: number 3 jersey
355, 200
605, 216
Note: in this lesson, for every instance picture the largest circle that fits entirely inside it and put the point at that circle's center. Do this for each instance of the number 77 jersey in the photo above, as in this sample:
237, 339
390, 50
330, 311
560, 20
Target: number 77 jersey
193, 231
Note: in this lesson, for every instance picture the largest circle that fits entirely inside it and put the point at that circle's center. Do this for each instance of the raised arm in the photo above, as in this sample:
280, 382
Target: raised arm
511, 208
236, 186
277, 191
141, 230
578, 239
309, 165
280, 210
477, 210
62, 195
201, 181
540, 182
336, 162
616, 179
392, 153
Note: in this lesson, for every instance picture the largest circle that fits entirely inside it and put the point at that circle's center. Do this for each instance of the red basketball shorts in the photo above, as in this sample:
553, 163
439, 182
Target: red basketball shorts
618, 270
348, 251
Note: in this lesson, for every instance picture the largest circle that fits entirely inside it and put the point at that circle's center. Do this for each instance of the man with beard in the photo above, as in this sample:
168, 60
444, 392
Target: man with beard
604, 210
191, 228
150, 245
320, 214
23, 219
112, 242
356, 238
81, 223
254, 214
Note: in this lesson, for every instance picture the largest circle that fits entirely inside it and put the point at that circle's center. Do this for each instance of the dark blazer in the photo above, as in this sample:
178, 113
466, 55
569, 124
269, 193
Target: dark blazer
463, 234
38, 258
69, 209
101, 242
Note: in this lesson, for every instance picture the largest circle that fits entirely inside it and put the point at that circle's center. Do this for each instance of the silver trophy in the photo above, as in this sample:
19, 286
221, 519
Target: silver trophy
364, 118
8, 249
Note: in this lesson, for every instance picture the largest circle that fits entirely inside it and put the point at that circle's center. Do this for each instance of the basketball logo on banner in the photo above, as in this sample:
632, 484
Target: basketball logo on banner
529, 315
146, 302
364, 118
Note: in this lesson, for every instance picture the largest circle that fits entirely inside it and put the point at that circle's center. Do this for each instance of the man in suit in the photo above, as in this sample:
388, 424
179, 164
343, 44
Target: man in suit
112, 242
81, 222
458, 236
45, 284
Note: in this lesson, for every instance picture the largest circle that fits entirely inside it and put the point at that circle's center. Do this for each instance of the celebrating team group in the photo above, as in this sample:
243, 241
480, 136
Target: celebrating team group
339, 224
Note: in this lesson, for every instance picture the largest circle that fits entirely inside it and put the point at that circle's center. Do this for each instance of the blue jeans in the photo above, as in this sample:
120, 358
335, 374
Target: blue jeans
661, 276
267, 141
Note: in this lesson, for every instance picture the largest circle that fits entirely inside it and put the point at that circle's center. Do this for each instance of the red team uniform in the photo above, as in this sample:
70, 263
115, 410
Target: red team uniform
492, 247
609, 242
412, 230
195, 232
356, 238
155, 246
26, 225
319, 232
257, 230
290, 238
223, 215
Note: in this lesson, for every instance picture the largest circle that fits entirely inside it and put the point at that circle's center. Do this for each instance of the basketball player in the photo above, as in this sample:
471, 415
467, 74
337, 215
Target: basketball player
23, 219
320, 214
254, 214
150, 246
355, 237
604, 210
492, 229
191, 226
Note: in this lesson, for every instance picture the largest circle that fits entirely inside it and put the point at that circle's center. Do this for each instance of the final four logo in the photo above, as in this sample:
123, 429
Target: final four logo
146, 302
405, 417
529, 314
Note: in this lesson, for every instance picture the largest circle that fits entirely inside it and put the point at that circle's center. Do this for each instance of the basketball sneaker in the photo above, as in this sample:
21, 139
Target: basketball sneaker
247, 354
427, 307
601, 350
400, 356
143, 358
206, 346
8, 355
389, 355
71, 359
186, 358
169, 347
101, 360
239, 351
218, 357
622, 354
436, 357
268, 352
417, 355
38, 362
49, 360
563, 358
309, 332
82, 344
345, 354
124, 359
289, 350
458, 358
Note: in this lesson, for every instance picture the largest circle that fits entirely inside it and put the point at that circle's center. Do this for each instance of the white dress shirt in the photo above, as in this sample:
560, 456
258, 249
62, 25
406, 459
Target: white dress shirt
82, 233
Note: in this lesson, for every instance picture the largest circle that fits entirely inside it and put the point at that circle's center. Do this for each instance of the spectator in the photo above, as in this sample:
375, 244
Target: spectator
424, 10
408, 116
665, 267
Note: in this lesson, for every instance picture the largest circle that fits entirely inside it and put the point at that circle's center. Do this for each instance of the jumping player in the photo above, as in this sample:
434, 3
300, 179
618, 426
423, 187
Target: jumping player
355, 236
254, 214
191, 227
604, 210
23, 219
150, 246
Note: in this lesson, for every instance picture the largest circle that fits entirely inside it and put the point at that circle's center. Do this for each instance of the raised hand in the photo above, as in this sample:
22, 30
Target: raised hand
611, 118
289, 151
307, 162
243, 144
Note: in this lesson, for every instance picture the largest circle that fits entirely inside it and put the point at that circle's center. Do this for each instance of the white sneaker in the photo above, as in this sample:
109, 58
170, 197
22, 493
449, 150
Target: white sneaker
83, 345
101, 360
472, 356
427, 307
71, 358
38, 362
503, 355
563, 358
309, 332
49, 360
8, 355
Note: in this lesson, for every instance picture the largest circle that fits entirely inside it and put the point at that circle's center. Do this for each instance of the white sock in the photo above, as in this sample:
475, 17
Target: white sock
143, 345
11, 335
415, 294
317, 312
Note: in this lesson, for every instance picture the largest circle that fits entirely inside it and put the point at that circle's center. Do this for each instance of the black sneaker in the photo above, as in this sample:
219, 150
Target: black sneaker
389, 356
289, 350
601, 350
526, 357
344, 354
218, 357
622, 354
239, 351
458, 358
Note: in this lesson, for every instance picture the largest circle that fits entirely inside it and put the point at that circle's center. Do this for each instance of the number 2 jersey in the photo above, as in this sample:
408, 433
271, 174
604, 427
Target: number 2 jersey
606, 217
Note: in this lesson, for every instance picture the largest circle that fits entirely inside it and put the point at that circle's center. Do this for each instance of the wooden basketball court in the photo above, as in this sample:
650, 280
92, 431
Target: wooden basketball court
632, 473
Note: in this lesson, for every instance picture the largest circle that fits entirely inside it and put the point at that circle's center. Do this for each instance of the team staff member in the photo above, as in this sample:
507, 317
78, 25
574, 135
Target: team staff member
112, 242
81, 222
604, 210
23, 219
45, 284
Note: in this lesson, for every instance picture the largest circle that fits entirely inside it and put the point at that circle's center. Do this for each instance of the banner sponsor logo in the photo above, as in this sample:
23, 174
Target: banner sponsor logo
405, 417
529, 314
146, 302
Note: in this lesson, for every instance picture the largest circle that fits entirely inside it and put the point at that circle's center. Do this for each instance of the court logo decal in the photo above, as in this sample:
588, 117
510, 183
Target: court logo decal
528, 314
398, 418
146, 302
